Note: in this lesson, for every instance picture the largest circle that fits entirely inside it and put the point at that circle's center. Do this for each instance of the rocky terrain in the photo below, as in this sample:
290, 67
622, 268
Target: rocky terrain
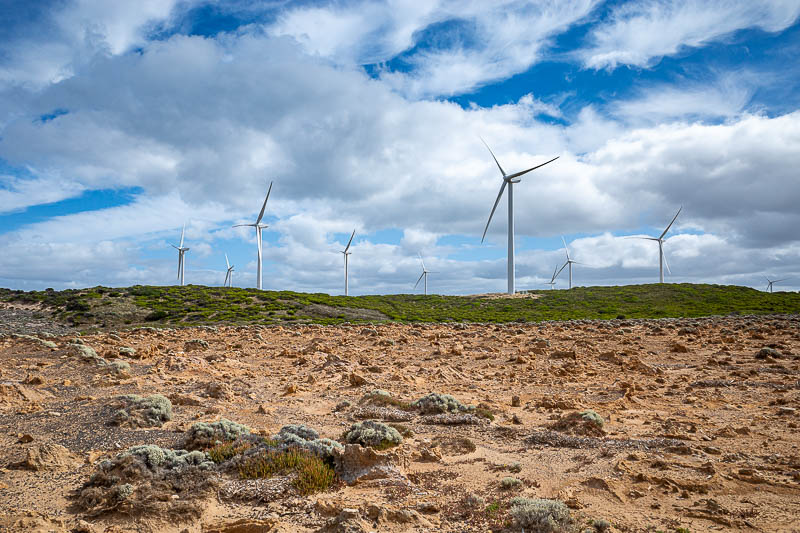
620, 425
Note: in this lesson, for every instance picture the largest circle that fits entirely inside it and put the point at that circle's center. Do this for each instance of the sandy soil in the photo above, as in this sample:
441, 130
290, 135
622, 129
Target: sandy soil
701, 432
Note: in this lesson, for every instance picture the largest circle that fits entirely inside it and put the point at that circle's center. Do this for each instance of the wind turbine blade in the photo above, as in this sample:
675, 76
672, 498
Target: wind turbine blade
227, 263
667, 263
174, 246
182, 232
554, 274
420, 279
560, 269
779, 280
243, 225
502, 188
670, 224
348, 242
565, 247
643, 238
518, 174
421, 260
503, 172
261, 214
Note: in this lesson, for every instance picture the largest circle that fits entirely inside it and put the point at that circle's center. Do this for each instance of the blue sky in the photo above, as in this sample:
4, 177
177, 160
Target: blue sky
118, 123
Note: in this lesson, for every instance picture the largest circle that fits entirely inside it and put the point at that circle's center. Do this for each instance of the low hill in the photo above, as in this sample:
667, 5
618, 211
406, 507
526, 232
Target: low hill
103, 307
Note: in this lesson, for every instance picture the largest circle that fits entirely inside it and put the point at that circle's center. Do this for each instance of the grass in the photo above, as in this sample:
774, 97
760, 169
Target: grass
312, 473
195, 304
225, 451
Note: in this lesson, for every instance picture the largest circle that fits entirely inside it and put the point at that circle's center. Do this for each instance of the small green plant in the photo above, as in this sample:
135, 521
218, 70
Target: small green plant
493, 508
601, 525
435, 403
590, 416
204, 435
509, 483
381, 397
142, 411
222, 452
313, 474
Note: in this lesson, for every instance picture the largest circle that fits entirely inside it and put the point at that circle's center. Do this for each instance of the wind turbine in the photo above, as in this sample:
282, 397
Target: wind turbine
229, 274
181, 251
770, 283
259, 226
424, 274
347, 253
662, 259
569, 262
510, 180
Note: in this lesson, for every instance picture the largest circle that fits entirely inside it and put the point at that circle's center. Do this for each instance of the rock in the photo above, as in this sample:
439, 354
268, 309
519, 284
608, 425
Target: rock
767, 352
195, 344
677, 347
515, 402
218, 390
290, 389
83, 527
348, 521
185, 399
357, 380
243, 525
25, 439
48, 456
356, 463
564, 354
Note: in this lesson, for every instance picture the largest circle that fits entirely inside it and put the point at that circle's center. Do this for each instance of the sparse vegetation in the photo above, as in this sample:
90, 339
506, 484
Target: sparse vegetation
435, 403
373, 434
194, 304
509, 483
542, 515
312, 473
204, 435
142, 411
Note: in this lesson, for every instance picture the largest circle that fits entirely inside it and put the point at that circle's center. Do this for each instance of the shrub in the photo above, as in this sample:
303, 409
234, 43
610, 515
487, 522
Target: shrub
208, 434
127, 350
545, 516
155, 457
508, 483
313, 474
139, 411
222, 452
601, 525
382, 397
118, 367
373, 434
591, 416
302, 436
434, 403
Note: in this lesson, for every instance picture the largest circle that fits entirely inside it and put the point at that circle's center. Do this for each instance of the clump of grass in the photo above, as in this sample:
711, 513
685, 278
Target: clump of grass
142, 411
542, 515
508, 483
222, 452
373, 434
484, 412
313, 474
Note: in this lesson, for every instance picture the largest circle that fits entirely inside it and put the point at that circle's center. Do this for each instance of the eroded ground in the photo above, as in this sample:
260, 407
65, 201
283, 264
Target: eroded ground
701, 425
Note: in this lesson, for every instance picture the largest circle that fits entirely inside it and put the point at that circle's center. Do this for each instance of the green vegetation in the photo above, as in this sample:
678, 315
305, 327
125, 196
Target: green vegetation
373, 434
546, 516
194, 304
142, 411
313, 474
222, 452
204, 435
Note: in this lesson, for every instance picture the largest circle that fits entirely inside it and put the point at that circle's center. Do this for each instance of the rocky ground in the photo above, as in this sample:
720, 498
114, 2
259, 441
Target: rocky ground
698, 430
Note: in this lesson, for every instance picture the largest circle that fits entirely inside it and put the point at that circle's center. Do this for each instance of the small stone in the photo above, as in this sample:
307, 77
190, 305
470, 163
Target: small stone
515, 402
26, 438
357, 380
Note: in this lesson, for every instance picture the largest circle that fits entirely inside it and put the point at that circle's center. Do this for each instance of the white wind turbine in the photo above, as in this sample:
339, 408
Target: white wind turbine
424, 275
259, 226
569, 262
181, 251
346, 253
229, 275
662, 259
771, 282
510, 180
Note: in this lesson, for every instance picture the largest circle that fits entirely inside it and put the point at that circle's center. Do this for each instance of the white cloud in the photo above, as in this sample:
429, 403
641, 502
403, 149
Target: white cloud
641, 33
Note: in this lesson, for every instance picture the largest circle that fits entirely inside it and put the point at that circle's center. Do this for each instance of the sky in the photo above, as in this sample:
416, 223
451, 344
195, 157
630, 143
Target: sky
121, 121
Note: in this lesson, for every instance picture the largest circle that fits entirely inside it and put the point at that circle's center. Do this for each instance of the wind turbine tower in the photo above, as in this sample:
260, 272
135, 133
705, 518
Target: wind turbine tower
259, 226
508, 180
346, 253
569, 262
424, 275
662, 259
229, 274
181, 252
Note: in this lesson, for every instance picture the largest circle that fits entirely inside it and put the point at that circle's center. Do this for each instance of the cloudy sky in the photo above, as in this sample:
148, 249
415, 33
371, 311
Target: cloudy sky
120, 121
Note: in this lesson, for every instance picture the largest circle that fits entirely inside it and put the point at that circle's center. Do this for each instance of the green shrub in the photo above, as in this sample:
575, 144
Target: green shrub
222, 452
313, 474
434, 403
508, 483
373, 434
208, 434
142, 411
157, 457
591, 416
541, 515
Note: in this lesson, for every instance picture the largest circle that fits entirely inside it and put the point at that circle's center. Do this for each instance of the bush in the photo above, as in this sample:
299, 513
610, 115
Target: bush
591, 416
434, 403
306, 438
541, 515
373, 434
313, 474
204, 435
138, 411
508, 483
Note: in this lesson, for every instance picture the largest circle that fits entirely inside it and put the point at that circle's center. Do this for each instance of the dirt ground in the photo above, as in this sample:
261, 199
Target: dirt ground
700, 432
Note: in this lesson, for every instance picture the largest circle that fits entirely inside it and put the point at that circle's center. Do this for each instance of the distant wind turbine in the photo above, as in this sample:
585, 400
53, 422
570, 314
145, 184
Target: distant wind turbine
510, 180
770, 283
229, 274
569, 262
424, 275
259, 226
552, 281
346, 253
181, 251
662, 259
